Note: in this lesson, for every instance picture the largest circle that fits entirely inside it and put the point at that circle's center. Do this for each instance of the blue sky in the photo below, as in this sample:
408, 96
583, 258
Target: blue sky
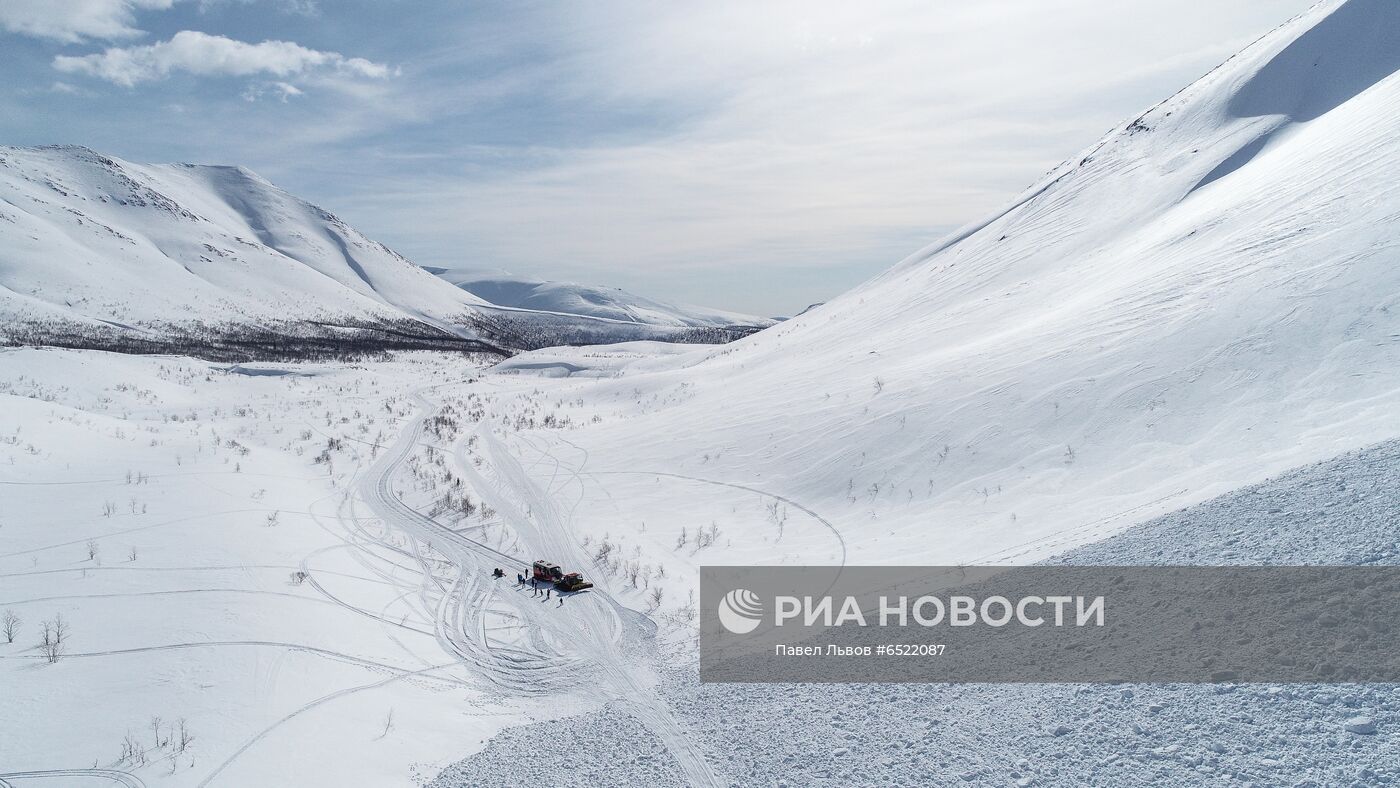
750, 156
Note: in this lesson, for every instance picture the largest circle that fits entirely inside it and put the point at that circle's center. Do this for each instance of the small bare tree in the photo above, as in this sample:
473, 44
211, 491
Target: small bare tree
9, 625
92, 550
706, 537
55, 632
654, 600
604, 550
183, 737
687, 611
132, 751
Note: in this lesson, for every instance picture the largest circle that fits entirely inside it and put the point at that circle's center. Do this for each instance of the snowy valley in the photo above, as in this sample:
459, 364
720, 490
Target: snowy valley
270, 561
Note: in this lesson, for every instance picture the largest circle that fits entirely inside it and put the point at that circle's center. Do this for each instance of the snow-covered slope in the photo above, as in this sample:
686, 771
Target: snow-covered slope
1208, 296
504, 289
99, 252
91, 241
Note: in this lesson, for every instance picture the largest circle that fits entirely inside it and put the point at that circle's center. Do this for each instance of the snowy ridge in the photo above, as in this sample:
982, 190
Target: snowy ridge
133, 255
90, 237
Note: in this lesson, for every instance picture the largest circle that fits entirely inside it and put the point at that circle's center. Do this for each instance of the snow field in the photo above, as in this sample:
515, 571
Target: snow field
208, 623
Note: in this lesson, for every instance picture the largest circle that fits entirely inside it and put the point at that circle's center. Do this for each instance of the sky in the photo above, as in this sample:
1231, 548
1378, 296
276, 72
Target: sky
757, 157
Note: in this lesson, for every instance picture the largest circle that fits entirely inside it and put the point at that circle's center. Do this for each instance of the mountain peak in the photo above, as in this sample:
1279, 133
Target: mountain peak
91, 240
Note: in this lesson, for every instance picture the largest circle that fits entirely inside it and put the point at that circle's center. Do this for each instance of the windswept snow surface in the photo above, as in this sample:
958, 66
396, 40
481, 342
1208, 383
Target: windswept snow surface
90, 239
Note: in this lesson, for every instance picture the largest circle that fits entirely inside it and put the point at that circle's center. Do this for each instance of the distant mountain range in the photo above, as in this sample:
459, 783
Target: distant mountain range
217, 261
592, 310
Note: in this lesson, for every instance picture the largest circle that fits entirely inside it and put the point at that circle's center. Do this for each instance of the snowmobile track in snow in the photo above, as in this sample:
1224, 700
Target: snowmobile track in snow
593, 627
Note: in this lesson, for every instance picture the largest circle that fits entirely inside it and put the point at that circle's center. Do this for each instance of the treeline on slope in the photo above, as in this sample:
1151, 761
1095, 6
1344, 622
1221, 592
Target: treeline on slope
347, 339
352, 339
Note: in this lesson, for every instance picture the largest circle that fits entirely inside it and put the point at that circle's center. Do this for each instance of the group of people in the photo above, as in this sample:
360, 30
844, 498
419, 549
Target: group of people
535, 585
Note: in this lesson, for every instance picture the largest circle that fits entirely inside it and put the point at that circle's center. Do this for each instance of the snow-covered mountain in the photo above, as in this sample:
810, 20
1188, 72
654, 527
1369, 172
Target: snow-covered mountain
95, 251
515, 292
539, 313
93, 244
1207, 296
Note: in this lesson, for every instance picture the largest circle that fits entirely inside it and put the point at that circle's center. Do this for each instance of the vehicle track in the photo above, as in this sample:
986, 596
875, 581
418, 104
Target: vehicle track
840, 540
423, 673
119, 777
577, 649
301, 647
461, 604
605, 623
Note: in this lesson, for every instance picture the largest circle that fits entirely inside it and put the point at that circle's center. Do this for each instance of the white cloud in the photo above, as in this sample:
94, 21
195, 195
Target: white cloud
203, 54
799, 135
72, 21
299, 7
279, 90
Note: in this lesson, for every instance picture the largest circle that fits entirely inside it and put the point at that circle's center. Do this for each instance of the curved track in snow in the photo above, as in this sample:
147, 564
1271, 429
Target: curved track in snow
790, 502
112, 776
576, 645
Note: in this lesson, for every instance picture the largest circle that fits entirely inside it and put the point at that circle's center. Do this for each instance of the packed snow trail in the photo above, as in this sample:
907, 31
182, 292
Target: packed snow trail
460, 605
574, 647
111, 776
545, 529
